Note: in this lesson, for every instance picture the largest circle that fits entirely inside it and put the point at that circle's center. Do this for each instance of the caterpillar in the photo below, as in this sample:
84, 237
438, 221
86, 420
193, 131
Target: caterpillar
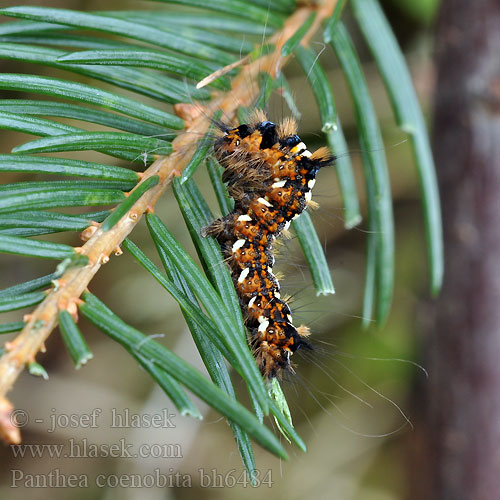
270, 174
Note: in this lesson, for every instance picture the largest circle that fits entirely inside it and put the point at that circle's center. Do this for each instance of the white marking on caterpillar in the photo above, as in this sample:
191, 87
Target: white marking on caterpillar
263, 326
252, 301
264, 202
243, 275
306, 153
238, 244
279, 184
244, 218
299, 147
311, 183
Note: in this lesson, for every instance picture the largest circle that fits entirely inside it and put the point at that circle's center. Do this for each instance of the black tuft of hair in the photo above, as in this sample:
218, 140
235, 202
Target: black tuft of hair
290, 142
269, 134
220, 125
244, 131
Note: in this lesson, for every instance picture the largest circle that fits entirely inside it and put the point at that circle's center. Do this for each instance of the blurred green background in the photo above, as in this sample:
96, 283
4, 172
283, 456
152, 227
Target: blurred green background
350, 400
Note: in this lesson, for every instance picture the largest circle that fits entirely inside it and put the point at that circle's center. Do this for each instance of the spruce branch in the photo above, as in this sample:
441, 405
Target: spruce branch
101, 244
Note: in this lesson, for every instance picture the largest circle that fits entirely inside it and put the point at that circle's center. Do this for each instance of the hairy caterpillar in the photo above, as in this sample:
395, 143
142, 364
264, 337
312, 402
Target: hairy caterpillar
269, 173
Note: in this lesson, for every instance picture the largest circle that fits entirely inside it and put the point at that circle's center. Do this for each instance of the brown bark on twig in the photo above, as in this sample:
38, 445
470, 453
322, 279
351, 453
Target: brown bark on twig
460, 440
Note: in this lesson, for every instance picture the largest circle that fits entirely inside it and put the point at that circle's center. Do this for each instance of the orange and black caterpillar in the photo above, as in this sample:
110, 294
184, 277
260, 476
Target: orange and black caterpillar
269, 173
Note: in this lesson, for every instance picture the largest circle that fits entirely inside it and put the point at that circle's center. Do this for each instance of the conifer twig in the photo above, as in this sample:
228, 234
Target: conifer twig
101, 244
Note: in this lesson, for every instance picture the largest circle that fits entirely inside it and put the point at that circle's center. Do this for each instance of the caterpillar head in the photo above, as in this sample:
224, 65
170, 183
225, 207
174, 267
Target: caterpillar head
274, 345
